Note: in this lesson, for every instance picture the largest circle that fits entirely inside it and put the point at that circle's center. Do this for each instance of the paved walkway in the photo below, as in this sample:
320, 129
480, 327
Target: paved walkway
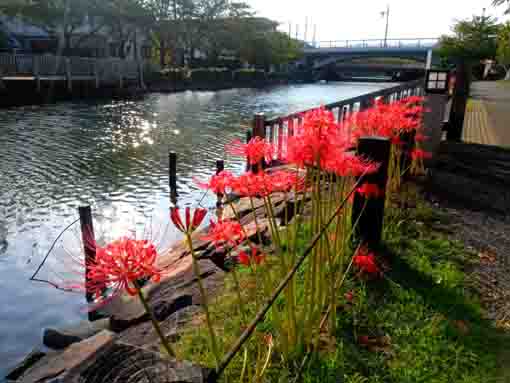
488, 115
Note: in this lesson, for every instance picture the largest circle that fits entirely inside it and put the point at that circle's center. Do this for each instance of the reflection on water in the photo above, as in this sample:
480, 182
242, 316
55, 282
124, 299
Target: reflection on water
113, 156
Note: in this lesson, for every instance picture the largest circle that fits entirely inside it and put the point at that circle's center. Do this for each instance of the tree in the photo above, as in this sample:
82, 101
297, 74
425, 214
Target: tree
504, 49
58, 17
497, 3
270, 48
123, 18
472, 40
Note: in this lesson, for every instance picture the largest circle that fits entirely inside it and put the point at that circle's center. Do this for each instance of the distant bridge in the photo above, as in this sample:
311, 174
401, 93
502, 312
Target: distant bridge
325, 53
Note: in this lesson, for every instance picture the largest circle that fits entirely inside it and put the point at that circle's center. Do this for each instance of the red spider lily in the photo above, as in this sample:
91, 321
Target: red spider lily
255, 257
250, 185
256, 150
191, 224
118, 266
319, 138
370, 191
397, 140
388, 120
283, 181
345, 164
365, 262
225, 231
420, 137
417, 154
218, 184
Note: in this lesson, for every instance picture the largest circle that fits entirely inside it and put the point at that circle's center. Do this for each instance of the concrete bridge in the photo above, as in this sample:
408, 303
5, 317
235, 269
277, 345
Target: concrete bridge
325, 53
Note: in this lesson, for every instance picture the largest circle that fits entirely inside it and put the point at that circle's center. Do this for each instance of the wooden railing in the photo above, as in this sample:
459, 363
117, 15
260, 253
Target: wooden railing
277, 129
109, 70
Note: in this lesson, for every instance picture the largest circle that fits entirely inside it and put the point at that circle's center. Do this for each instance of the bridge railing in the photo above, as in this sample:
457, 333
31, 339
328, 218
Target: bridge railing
378, 43
277, 129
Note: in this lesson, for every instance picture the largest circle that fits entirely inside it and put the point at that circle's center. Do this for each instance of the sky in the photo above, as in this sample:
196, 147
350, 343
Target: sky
361, 19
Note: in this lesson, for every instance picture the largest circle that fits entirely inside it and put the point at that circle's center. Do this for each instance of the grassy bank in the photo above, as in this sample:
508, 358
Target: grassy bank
419, 323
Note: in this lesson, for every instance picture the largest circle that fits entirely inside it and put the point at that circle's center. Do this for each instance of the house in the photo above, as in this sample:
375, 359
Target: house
23, 37
88, 40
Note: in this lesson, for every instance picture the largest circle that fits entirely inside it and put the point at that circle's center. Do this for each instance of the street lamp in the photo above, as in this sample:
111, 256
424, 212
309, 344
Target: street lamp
387, 14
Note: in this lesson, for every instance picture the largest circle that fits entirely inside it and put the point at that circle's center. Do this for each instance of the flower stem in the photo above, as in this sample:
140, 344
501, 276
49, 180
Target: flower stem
203, 295
155, 323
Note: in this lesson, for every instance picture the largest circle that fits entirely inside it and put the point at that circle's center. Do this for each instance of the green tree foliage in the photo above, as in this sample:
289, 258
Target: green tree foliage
504, 48
472, 40
272, 48
74, 21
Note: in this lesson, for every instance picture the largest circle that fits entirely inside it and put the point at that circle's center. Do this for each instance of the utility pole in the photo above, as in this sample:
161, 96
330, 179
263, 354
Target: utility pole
314, 35
387, 14
297, 31
306, 29
290, 29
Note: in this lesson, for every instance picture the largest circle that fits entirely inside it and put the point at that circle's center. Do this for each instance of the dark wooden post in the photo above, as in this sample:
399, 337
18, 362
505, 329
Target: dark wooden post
89, 244
459, 102
248, 138
369, 212
259, 125
259, 130
220, 166
172, 176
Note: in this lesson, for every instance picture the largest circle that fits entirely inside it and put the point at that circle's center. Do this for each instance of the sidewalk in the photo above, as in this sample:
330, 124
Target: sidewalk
488, 115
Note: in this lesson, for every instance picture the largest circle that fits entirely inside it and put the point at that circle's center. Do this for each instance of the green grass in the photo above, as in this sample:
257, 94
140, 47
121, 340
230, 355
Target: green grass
424, 325
504, 83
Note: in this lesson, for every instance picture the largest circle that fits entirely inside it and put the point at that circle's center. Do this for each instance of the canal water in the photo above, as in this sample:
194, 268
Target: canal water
114, 156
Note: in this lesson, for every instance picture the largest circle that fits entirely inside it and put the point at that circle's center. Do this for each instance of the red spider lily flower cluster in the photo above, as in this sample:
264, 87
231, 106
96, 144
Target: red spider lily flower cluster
255, 151
365, 262
191, 223
418, 154
370, 191
255, 257
120, 264
218, 183
259, 184
225, 232
388, 120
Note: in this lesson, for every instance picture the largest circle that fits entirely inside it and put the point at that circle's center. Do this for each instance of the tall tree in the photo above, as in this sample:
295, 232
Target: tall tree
504, 49
472, 40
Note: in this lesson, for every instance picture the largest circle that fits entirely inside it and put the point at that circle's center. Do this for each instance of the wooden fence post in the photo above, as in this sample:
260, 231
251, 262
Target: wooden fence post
248, 138
459, 102
120, 68
96, 74
89, 244
220, 166
140, 75
69, 75
172, 175
368, 210
36, 70
259, 129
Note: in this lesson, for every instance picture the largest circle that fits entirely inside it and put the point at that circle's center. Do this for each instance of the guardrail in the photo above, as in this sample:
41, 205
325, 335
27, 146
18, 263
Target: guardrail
378, 43
276, 129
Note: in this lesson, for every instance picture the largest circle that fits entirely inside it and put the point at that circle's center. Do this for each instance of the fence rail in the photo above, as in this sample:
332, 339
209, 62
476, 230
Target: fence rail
277, 129
109, 70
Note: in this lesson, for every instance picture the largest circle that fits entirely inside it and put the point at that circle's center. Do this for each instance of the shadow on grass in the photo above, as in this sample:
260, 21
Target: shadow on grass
462, 310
